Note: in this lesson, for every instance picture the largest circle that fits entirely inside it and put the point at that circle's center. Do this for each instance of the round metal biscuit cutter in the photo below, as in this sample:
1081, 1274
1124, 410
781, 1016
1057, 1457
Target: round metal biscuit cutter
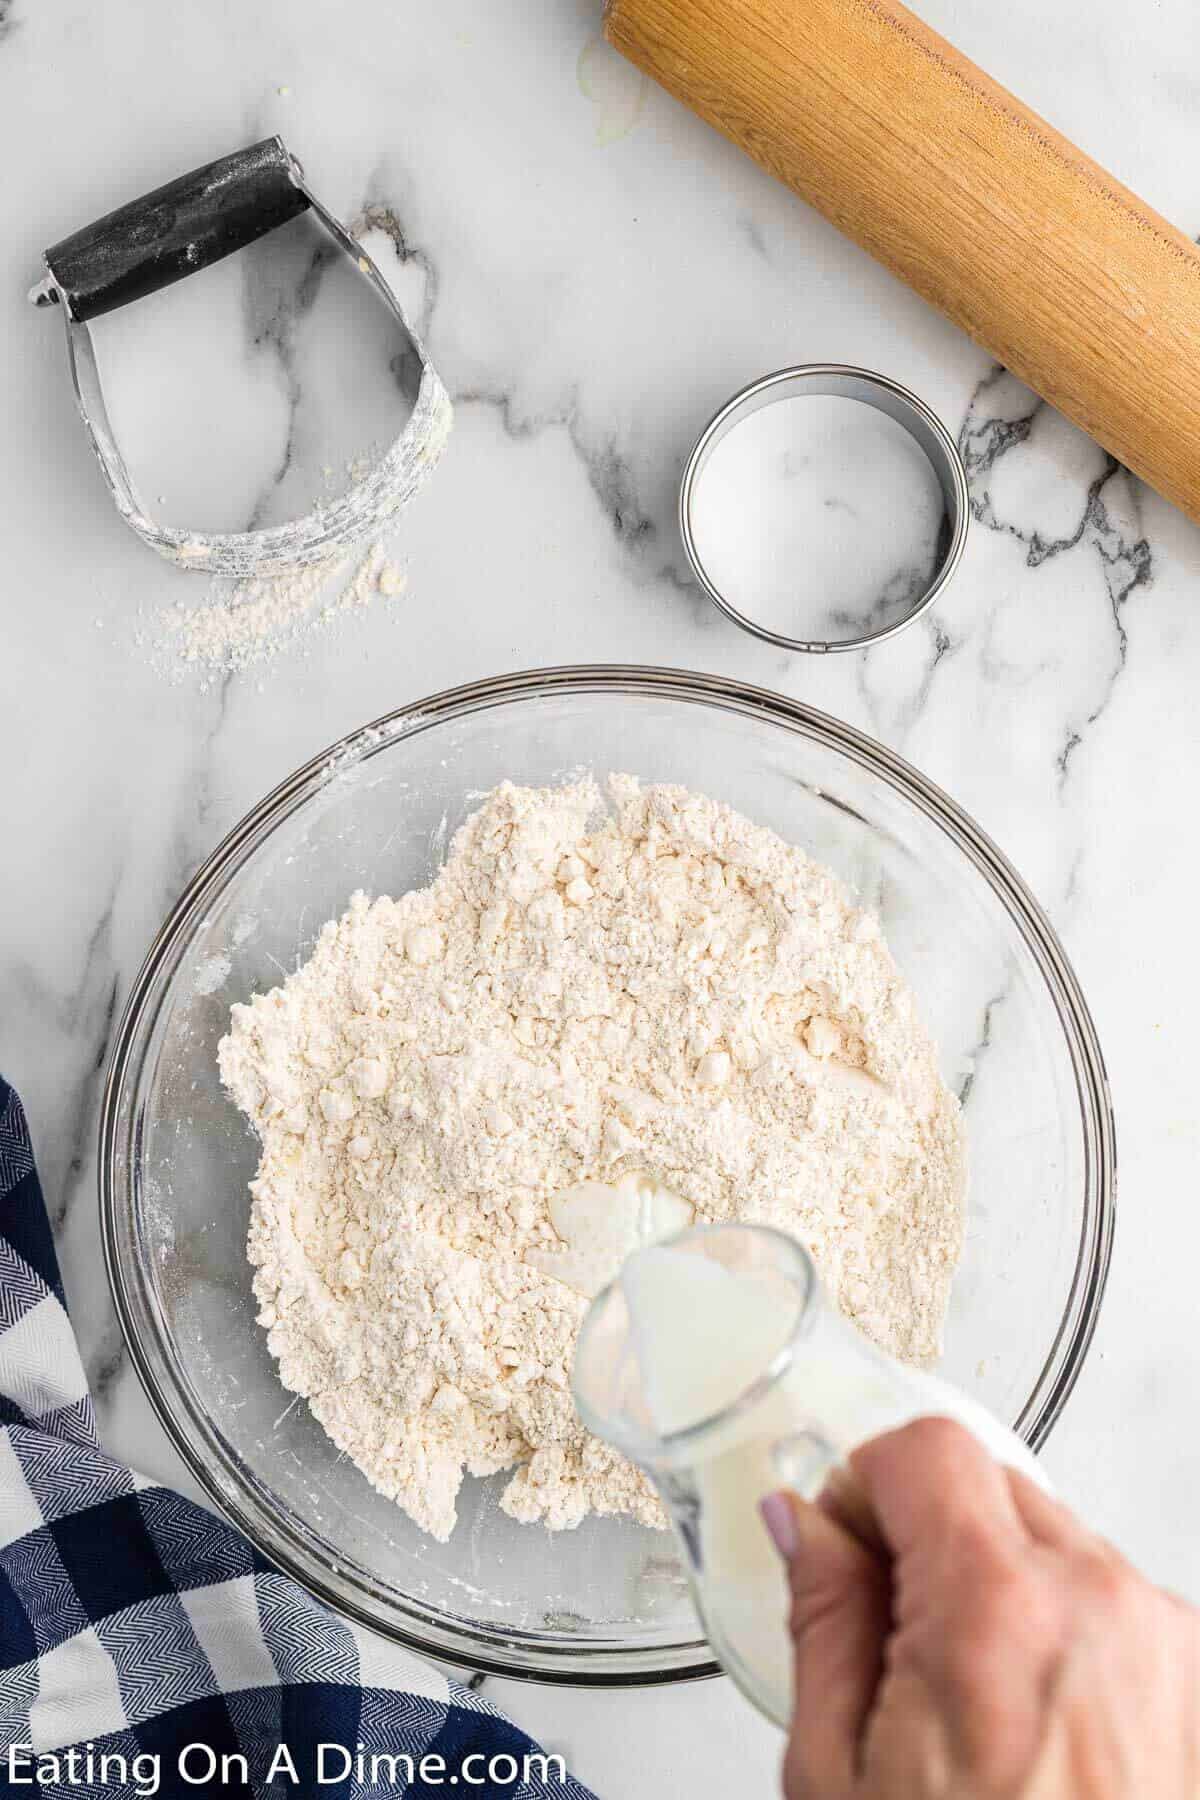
188, 224
839, 380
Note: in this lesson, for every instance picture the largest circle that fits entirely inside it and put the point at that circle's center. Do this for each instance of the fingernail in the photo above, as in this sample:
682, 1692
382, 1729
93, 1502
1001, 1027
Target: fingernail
780, 1520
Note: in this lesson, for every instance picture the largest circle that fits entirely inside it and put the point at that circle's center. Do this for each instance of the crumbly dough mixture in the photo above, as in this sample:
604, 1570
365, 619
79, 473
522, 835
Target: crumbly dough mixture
594, 984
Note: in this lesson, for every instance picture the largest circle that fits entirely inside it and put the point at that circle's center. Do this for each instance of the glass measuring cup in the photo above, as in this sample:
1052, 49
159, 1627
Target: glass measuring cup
725, 1378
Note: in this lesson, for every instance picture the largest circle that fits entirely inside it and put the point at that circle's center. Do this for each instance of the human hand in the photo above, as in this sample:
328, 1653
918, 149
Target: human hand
959, 1635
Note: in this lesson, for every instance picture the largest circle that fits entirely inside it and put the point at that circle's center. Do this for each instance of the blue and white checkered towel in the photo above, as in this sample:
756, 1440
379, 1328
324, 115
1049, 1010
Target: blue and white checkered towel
147, 1647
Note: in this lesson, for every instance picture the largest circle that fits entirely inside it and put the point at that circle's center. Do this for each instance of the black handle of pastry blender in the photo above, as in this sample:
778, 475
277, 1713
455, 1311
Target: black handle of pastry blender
186, 225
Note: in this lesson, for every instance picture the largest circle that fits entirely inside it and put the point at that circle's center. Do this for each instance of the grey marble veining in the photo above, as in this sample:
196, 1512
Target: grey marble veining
593, 271
1001, 422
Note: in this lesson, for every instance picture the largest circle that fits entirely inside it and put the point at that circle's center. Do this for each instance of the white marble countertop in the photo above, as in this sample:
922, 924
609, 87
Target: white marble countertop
594, 271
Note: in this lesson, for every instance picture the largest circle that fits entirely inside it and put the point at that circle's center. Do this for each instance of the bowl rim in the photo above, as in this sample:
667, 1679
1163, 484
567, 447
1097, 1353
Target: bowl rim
234, 1489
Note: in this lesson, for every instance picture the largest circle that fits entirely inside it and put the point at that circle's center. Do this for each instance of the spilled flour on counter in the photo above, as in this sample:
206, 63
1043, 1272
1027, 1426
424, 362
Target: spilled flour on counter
253, 619
656, 987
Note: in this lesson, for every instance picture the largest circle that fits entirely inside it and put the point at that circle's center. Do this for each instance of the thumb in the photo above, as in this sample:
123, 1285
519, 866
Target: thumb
840, 1616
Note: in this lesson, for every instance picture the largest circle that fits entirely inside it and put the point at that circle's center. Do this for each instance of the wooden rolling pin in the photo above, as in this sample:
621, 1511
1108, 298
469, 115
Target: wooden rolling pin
1065, 276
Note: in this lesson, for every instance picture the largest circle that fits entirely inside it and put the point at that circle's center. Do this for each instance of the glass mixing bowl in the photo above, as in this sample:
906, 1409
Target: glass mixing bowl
605, 1603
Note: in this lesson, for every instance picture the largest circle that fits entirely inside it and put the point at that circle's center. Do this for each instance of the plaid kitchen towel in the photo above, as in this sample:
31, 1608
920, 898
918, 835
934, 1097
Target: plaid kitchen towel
147, 1648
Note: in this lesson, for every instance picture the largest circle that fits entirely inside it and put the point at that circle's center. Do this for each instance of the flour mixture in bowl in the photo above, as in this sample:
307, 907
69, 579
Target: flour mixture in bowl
587, 992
